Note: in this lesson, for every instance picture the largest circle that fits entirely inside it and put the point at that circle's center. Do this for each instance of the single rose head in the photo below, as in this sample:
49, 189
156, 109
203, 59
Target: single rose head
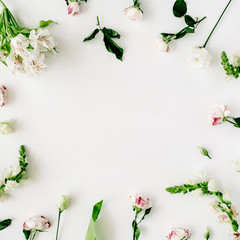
179, 234
133, 13
73, 8
140, 202
3, 95
63, 203
199, 57
38, 223
161, 45
219, 114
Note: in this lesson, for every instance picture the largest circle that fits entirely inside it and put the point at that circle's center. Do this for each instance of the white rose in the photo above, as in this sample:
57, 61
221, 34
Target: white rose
10, 185
218, 114
212, 185
63, 203
5, 127
160, 45
199, 57
39, 223
133, 13
73, 8
179, 234
3, 95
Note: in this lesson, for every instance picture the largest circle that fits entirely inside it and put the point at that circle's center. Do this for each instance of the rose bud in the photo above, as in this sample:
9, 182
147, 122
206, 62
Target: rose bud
140, 202
219, 114
73, 8
63, 203
3, 95
133, 13
161, 45
39, 223
179, 234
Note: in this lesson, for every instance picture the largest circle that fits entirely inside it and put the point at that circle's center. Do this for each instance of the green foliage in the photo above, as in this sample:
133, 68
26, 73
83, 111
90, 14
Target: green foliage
179, 8
229, 69
91, 232
204, 152
4, 224
207, 235
92, 35
44, 24
26, 234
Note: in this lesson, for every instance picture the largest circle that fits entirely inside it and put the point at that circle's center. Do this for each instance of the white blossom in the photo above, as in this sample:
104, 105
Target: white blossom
199, 57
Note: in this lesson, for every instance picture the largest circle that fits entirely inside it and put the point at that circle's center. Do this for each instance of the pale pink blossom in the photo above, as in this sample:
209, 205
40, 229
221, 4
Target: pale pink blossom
140, 202
219, 114
179, 234
73, 8
3, 95
39, 223
133, 13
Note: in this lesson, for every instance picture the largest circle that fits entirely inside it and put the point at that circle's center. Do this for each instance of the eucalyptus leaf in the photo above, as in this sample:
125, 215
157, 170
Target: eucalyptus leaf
92, 35
111, 33
112, 47
189, 21
4, 224
44, 24
179, 8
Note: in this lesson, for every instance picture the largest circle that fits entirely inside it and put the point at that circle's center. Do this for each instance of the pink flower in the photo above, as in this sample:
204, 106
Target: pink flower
219, 114
179, 234
235, 236
73, 8
39, 223
3, 95
140, 202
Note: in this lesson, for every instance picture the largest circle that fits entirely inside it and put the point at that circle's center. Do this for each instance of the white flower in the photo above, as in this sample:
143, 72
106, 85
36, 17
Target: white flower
19, 45
226, 194
41, 40
39, 223
10, 185
218, 114
5, 127
179, 234
223, 218
212, 185
234, 60
214, 207
36, 64
3, 95
63, 203
199, 57
140, 202
133, 13
13, 171
73, 8
160, 45
236, 164
3, 197
16, 63
233, 211
202, 177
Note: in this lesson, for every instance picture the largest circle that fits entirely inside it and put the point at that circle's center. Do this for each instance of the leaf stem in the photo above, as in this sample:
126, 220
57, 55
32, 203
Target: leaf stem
230, 122
135, 226
205, 44
58, 223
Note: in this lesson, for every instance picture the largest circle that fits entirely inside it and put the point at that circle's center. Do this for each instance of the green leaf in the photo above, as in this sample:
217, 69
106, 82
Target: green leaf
165, 35
147, 211
43, 24
137, 233
92, 35
112, 47
111, 33
96, 210
189, 30
4, 224
26, 234
179, 8
181, 34
91, 232
237, 120
189, 21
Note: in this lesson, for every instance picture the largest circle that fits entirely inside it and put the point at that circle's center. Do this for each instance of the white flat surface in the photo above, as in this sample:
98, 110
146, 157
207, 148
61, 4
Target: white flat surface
97, 128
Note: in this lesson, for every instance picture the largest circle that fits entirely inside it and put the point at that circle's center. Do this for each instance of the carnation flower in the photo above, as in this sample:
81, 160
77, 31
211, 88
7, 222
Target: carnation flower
199, 57
219, 114
133, 13
179, 234
39, 223
140, 202
161, 45
73, 7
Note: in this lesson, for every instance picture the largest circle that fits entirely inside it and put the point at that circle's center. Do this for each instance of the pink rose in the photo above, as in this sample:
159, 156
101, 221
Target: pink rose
140, 202
179, 234
73, 8
39, 223
3, 95
219, 114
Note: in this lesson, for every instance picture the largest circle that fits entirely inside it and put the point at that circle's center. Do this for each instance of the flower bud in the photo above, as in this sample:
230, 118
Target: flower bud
133, 13
73, 8
63, 202
140, 202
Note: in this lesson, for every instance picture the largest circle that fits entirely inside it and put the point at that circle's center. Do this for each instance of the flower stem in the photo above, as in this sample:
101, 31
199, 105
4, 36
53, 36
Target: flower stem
3, 4
33, 234
59, 217
135, 226
205, 44
230, 122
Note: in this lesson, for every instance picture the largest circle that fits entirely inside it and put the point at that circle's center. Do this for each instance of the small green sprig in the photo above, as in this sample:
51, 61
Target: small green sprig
207, 234
180, 10
23, 165
136, 4
203, 186
229, 69
108, 35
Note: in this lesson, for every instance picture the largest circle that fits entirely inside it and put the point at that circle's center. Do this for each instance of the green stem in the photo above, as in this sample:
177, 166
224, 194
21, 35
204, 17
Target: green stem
135, 226
33, 234
230, 122
59, 217
205, 44
3, 4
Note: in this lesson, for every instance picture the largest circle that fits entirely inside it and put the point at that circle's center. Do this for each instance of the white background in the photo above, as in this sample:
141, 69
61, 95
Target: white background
98, 128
